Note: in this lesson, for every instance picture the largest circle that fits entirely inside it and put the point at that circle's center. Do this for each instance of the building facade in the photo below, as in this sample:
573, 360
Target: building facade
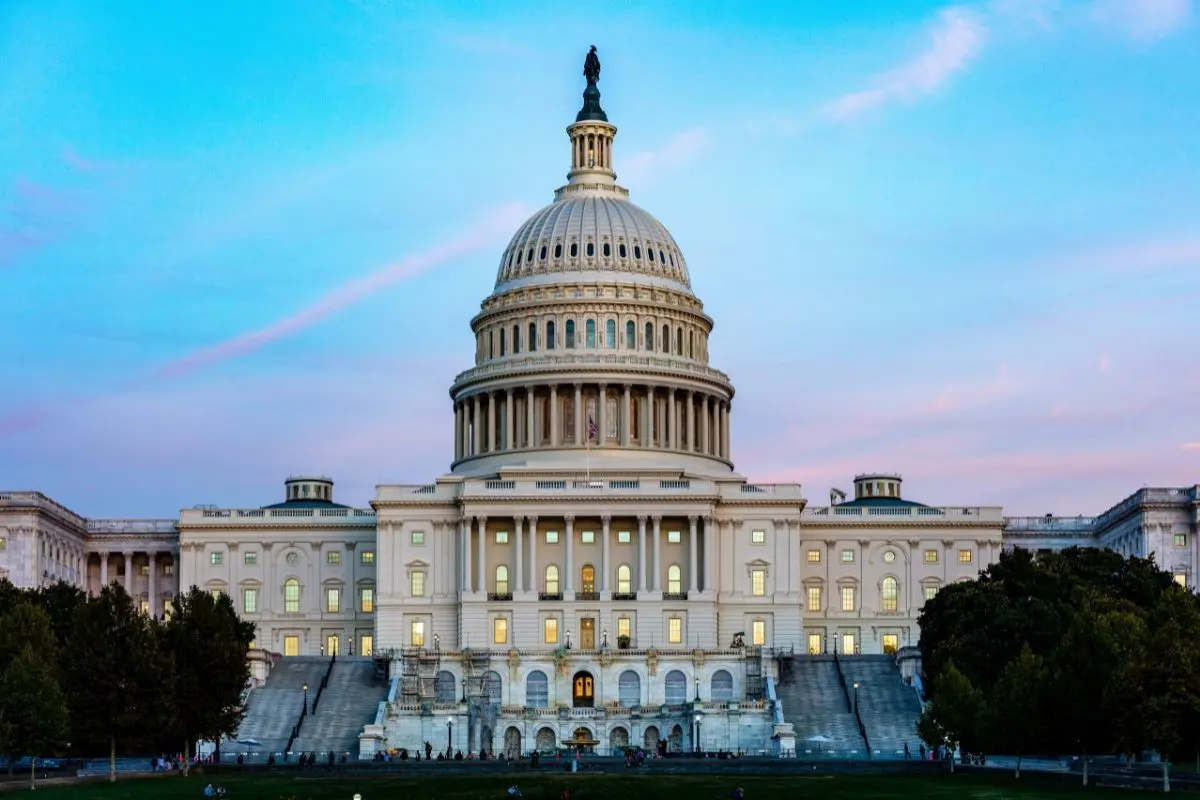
592, 570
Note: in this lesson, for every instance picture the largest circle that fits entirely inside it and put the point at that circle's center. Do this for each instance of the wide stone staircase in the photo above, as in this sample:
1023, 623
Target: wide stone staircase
273, 708
888, 706
815, 703
349, 702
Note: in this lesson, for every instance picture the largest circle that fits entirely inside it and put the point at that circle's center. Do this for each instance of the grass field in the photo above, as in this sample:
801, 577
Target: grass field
588, 787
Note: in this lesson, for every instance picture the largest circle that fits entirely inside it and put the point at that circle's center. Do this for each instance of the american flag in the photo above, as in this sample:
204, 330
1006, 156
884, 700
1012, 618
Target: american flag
591, 429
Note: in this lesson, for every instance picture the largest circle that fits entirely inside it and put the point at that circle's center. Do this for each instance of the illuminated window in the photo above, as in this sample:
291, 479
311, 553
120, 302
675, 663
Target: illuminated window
758, 582
333, 558
366, 645
552, 579
550, 631
674, 579
587, 579
847, 556
623, 537
816, 645
502, 579
144, 606
250, 559
758, 632
931, 556
624, 627
551, 537
416, 584
848, 598
814, 598
416, 633
291, 645
814, 556
291, 596
418, 538
333, 600
624, 579
366, 601
891, 643
501, 537
849, 644
1180, 540
587, 537
500, 631
965, 556
144, 569
758, 537
675, 630
1181, 579
250, 601
930, 592
216, 559
889, 594
673, 537
368, 557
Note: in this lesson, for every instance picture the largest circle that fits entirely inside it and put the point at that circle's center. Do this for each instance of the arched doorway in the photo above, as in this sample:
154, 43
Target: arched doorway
650, 739
721, 686
618, 740
675, 742
584, 740
546, 740
512, 743
485, 740
583, 690
676, 688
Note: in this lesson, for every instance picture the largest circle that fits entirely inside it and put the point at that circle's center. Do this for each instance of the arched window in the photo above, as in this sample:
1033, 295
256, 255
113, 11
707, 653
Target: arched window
574, 249
491, 344
621, 250
591, 249
443, 687
607, 250
570, 333
542, 254
629, 689
666, 339
550, 338
889, 594
552, 579
624, 579
674, 579
558, 250
537, 690
650, 253
590, 327
649, 343
610, 334
291, 596
661, 257
492, 687
637, 252
587, 578
691, 345
676, 686
721, 686
501, 579
533, 337
502, 342
630, 335
679, 341
516, 339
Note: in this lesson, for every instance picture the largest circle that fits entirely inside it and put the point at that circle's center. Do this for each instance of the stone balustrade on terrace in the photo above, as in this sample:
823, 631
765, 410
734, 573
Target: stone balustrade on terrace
126, 527
1050, 524
580, 359
599, 712
39, 501
883, 514
597, 488
276, 516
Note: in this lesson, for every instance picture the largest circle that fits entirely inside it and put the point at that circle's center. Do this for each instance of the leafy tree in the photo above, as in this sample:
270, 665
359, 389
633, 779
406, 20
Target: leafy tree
25, 624
61, 601
114, 673
34, 708
953, 717
1018, 707
209, 645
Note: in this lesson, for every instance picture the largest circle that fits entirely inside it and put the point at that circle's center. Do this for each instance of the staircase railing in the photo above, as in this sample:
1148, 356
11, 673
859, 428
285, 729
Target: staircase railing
324, 682
296, 728
851, 706
842, 680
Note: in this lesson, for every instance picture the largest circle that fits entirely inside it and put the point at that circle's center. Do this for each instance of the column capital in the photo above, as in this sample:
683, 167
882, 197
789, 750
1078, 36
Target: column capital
692, 519
656, 519
642, 519
569, 519
481, 520
708, 520
605, 519
532, 520
578, 385
603, 385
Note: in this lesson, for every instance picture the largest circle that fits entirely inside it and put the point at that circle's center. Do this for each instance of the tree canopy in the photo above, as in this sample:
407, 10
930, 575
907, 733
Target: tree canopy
1081, 651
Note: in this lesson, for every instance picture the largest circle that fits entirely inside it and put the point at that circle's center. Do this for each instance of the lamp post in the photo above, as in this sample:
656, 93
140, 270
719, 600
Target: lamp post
437, 642
306, 698
464, 684
697, 680
604, 638
568, 640
856, 697
350, 645
696, 737
449, 738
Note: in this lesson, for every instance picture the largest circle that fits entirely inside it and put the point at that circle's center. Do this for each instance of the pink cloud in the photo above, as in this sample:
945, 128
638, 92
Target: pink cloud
955, 40
75, 161
498, 222
1192, 446
681, 150
1144, 20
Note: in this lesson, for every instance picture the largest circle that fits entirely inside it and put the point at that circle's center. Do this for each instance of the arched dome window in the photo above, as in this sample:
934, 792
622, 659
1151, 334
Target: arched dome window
691, 345
542, 254
679, 341
518, 258
637, 252
630, 335
574, 249
662, 258
610, 334
590, 328
621, 250
533, 337
558, 250
516, 339
570, 333
550, 338
650, 254
502, 342
649, 343
591, 249
491, 344
607, 250
666, 339
530, 256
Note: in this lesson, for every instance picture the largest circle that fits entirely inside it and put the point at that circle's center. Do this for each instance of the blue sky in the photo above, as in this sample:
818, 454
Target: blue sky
244, 240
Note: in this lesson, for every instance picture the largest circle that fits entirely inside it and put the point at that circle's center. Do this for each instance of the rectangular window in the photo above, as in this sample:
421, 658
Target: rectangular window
930, 592
144, 569
418, 538
848, 598
291, 597
1181, 579
891, 643
250, 601
216, 559
814, 556
816, 645
675, 630
758, 537
367, 558
168, 569
623, 537
500, 631
965, 556
333, 600
291, 645
673, 537
416, 584
168, 608
3, 543
250, 559
758, 582
366, 600
624, 627
366, 645
333, 558
588, 537
144, 606
501, 537
758, 632
814, 598
416, 633
847, 556
551, 537
849, 644
550, 631
1180, 540
331, 645
931, 556
216, 594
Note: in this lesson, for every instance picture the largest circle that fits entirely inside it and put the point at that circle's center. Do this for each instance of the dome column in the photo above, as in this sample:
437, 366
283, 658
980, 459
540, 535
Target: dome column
672, 424
691, 421
554, 426
705, 411
530, 404
579, 415
625, 428
509, 431
477, 427
601, 414
457, 431
725, 430
492, 418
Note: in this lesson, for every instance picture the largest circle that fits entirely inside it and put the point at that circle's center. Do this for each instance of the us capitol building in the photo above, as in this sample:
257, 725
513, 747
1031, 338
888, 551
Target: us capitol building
592, 562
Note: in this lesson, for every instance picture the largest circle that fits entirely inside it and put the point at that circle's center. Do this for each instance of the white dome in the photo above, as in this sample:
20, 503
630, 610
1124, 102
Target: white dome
592, 233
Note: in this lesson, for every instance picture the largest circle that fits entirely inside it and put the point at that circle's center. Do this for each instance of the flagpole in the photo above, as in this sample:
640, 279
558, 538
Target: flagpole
588, 448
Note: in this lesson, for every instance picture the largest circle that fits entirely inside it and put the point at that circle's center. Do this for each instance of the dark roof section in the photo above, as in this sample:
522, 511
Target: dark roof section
882, 502
307, 503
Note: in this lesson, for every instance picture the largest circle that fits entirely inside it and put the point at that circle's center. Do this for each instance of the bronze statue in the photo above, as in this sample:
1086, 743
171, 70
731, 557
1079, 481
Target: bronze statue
591, 67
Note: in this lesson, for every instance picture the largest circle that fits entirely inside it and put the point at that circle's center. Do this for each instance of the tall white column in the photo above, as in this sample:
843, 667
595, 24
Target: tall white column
672, 441
691, 422
555, 428
627, 420
482, 545
693, 561
519, 581
465, 547
604, 562
457, 431
530, 405
657, 566
510, 433
477, 426
534, 574
709, 530
152, 591
601, 414
128, 572
493, 420
103, 570
725, 430
641, 561
570, 534
579, 412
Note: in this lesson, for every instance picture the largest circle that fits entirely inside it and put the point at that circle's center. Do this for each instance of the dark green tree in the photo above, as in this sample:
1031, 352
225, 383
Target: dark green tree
33, 707
61, 601
114, 673
209, 645
1019, 708
25, 623
954, 717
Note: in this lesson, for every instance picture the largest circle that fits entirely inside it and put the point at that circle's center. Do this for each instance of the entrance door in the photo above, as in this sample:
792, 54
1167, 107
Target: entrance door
815, 644
331, 644
891, 643
849, 644
587, 633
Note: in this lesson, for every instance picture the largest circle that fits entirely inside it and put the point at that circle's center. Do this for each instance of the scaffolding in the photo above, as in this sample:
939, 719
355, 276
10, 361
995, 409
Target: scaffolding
785, 660
481, 691
418, 677
752, 658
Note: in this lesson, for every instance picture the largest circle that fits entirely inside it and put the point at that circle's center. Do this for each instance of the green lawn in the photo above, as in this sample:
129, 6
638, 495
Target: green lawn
619, 786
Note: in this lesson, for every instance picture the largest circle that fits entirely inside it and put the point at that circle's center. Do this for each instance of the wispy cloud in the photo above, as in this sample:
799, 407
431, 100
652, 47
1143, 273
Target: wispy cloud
955, 39
38, 214
680, 150
1192, 446
1143, 20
